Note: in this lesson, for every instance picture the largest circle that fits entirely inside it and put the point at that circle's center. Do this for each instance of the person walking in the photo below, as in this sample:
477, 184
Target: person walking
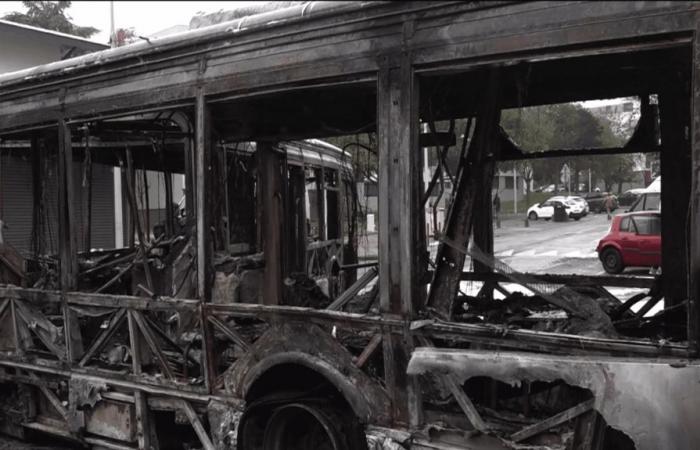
609, 205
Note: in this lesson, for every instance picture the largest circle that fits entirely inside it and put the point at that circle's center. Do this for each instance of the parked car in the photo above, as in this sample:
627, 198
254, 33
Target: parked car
545, 210
649, 201
629, 197
634, 239
581, 201
649, 198
596, 201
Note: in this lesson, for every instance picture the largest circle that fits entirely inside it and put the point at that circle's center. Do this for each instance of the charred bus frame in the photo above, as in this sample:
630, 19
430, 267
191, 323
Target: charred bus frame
282, 75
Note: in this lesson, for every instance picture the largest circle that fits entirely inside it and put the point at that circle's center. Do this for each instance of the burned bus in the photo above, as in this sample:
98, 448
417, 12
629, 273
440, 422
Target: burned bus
242, 317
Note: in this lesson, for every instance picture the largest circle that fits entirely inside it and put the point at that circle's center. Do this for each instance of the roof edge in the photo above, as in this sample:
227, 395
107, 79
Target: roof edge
52, 33
247, 23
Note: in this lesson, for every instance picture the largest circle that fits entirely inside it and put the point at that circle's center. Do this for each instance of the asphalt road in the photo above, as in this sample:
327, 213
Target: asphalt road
542, 247
552, 247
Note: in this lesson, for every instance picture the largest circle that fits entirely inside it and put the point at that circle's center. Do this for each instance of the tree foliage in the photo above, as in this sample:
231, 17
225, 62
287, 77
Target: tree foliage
50, 16
567, 126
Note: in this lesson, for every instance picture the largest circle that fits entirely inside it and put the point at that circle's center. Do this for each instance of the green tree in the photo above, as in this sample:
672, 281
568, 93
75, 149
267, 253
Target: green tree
531, 130
562, 127
50, 16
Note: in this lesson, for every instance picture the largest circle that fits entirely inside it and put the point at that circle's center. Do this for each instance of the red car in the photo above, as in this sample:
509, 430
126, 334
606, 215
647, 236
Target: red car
634, 239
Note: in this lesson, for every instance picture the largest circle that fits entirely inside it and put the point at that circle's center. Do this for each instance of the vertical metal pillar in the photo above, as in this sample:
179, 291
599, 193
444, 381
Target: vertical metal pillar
271, 184
297, 219
694, 225
203, 208
401, 226
675, 190
320, 175
472, 181
67, 238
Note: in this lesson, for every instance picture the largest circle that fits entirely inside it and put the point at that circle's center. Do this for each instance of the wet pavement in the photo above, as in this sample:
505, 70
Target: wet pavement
552, 247
542, 247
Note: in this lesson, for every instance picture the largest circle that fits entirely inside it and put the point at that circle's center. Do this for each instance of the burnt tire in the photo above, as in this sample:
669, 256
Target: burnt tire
307, 423
612, 260
532, 215
312, 425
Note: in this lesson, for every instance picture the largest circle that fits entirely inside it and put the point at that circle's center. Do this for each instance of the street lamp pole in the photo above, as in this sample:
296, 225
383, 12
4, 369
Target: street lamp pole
112, 37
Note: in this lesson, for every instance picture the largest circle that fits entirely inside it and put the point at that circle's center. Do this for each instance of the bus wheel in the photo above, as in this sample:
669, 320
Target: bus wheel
308, 425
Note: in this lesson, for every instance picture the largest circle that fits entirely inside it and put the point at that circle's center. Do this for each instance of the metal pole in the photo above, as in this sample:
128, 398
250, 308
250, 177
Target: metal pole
515, 190
112, 37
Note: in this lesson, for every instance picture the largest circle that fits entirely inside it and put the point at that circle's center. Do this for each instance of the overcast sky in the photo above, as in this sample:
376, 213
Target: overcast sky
144, 16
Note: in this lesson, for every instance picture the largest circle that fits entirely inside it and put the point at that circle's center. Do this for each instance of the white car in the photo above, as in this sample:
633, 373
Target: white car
581, 201
545, 210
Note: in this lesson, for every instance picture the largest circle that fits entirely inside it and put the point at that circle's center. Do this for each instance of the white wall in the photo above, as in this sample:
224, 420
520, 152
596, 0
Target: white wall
19, 51
22, 47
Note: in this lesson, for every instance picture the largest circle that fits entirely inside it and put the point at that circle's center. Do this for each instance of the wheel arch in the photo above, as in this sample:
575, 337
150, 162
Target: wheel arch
311, 348
614, 246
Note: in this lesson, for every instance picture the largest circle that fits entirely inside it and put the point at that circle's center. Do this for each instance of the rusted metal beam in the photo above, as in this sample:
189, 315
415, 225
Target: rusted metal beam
271, 181
203, 194
101, 300
401, 225
589, 432
458, 393
369, 350
400, 191
40, 322
465, 403
3, 306
230, 333
450, 261
54, 400
353, 290
674, 109
19, 344
320, 182
694, 219
67, 243
553, 421
152, 343
204, 208
134, 344
570, 280
296, 205
197, 425
66, 216
143, 421
568, 153
131, 195
99, 342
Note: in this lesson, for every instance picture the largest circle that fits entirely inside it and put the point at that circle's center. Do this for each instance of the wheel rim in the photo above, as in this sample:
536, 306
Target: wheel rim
300, 426
610, 260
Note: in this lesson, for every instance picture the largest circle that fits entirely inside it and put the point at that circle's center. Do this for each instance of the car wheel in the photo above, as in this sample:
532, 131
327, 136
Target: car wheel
612, 260
532, 215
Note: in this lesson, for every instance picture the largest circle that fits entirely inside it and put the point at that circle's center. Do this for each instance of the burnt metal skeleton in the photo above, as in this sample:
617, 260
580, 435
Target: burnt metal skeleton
235, 322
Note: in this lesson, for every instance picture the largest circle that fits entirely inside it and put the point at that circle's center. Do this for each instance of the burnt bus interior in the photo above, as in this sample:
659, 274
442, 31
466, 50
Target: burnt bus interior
150, 152
242, 318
